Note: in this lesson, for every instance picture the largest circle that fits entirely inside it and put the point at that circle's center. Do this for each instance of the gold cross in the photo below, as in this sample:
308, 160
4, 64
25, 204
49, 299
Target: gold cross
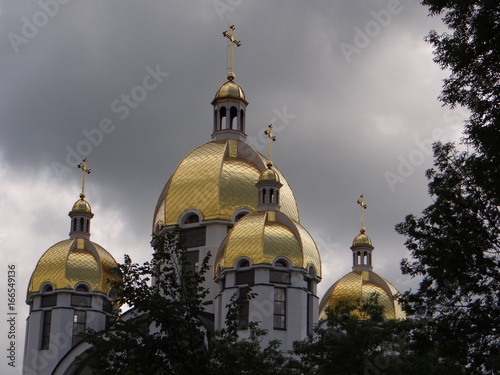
363, 205
83, 167
230, 36
272, 138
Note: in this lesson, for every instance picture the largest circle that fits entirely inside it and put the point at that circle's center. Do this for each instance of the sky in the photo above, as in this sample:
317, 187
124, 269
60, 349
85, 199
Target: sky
350, 87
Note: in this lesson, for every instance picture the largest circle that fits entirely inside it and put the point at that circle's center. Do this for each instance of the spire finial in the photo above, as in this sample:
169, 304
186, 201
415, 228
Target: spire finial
85, 170
364, 206
272, 138
230, 36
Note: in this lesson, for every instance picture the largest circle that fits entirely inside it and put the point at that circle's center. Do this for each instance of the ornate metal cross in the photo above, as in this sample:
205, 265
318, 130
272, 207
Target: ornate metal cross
85, 170
230, 36
272, 138
364, 206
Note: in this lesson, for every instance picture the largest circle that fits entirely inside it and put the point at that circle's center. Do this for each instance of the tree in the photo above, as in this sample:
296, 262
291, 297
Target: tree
472, 55
166, 330
355, 339
455, 244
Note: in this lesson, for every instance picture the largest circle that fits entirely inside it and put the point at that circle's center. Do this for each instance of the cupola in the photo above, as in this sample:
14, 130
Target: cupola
360, 284
229, 102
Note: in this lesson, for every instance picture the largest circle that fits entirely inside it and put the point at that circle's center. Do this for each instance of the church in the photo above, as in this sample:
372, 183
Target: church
229, 200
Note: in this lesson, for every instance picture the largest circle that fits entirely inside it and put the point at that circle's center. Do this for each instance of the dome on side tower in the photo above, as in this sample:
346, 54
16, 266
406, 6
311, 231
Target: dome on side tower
359, 286
362, 282
229, 90
264, 236
77, 259
72, 261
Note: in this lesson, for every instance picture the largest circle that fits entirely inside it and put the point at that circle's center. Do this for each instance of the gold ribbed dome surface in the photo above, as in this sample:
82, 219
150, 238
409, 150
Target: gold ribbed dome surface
82, 205
218, 179
230, 90
362, 239
69, 262
359, 286
262, 237
269, 174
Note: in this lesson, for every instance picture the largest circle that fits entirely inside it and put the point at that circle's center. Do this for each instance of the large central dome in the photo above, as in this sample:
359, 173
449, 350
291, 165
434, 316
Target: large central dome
217, 179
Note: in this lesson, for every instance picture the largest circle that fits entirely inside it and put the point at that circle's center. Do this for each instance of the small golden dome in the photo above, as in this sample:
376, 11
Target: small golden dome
217, 179
269, 174
82, 205
362, 239
262, 237
359, 286
72, 261
230, 90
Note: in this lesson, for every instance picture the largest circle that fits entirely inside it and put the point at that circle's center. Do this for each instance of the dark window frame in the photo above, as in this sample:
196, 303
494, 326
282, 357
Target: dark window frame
279, 313
279, 277
48, 300
245, 277
46, 326
79, 325
81, 300
192, 261
193, 237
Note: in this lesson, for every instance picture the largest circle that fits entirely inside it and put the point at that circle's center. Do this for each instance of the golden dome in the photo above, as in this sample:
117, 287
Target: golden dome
359, 286
218, 179
229, 90
72, 261
362, 239
82, 205
263, 236
269, 174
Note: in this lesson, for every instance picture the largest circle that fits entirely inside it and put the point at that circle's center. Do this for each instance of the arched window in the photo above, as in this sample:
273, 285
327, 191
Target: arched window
280, 275
47, 288
233, 118
81, 224
239, 216
82, 300
222, 119
280, 263
243, 263
82, 288
48, 299
193, 218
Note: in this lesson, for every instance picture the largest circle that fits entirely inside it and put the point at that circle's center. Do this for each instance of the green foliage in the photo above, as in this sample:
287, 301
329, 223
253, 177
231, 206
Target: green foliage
164, 332
470, 52
455, 244
355, 339
455, 248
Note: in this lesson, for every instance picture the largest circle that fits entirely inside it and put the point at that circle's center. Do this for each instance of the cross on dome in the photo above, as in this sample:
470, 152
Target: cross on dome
230, 36
364, 206
271, 138
85, 170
